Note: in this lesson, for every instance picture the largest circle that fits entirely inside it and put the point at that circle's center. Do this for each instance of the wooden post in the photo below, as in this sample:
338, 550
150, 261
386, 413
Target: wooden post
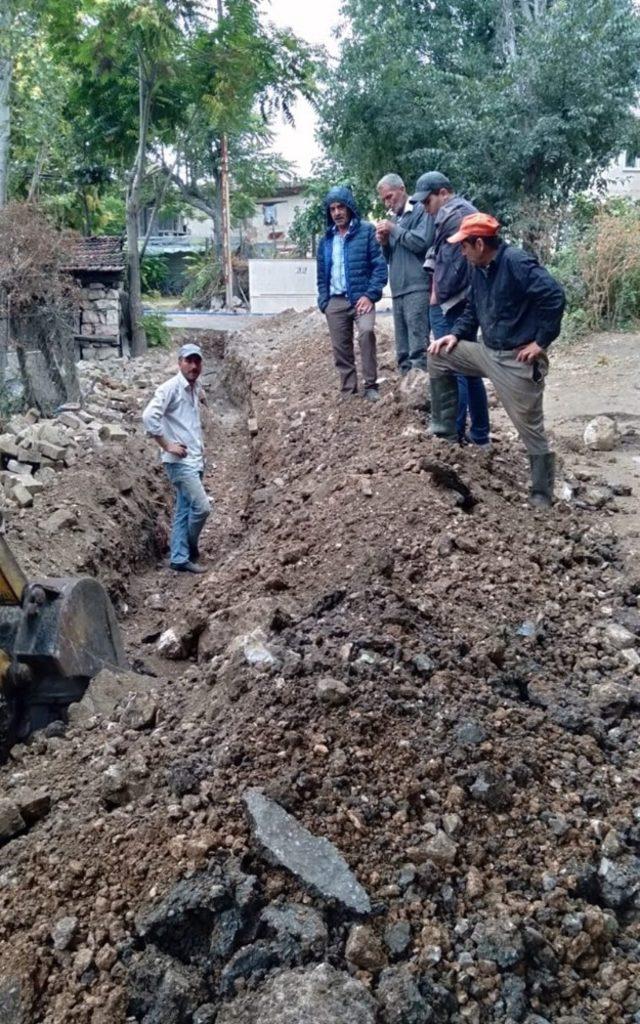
227, 267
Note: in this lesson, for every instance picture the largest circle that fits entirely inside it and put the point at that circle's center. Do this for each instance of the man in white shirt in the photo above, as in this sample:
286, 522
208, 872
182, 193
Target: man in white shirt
172, 418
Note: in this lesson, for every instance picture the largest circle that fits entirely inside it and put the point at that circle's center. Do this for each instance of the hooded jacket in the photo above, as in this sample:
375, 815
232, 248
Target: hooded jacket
365, 266
451, 273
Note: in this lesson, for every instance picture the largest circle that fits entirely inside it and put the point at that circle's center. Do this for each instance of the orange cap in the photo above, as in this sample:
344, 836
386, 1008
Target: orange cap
475, 225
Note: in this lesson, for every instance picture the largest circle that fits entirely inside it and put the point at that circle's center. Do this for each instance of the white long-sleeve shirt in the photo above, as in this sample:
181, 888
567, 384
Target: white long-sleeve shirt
174, 413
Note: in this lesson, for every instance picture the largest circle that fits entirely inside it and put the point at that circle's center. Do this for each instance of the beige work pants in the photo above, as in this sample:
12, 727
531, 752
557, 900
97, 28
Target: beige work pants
519, 386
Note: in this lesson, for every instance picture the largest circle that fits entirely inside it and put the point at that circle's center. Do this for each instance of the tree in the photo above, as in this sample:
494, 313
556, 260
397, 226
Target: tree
237, 77
123, 57
521, 102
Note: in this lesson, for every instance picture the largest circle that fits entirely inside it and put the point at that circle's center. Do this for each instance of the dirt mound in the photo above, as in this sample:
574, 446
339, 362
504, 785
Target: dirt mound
411, 662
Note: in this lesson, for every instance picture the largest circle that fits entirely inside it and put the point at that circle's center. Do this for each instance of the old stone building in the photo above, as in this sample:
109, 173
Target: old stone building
98, 266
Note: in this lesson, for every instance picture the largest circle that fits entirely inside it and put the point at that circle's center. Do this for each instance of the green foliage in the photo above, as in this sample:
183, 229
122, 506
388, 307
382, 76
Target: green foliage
599, 267
521, 104
154, 272
156, 330
204, 280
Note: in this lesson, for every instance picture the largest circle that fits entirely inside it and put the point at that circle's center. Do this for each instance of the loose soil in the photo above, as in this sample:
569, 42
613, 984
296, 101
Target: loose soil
486, 702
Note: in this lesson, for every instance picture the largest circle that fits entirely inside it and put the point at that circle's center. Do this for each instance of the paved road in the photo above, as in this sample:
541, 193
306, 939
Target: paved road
217, 321
208, 321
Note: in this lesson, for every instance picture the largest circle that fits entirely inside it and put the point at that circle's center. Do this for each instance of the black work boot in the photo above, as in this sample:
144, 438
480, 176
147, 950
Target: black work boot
444, 407
543, 476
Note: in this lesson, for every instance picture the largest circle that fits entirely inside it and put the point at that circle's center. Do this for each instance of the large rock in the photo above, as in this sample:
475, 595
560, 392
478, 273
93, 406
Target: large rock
13, 1008
414, 390
364, 949
315, 861
11, 821
106, 691
315, 995
401, 1001
601, 434
185, 924
299, 930
164, 991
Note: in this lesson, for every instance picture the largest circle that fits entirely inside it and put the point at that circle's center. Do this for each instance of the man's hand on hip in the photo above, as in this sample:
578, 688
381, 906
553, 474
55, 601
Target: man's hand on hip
176, 448
530, 352
446, 344
363, 305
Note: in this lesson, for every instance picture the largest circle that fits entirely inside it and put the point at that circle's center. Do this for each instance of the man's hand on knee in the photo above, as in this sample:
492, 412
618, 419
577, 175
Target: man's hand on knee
527, 353
446, 344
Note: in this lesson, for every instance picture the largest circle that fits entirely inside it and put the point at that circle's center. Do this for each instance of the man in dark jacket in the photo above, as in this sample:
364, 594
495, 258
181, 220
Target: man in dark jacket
449, 290
519, 307
405, 238
351, 275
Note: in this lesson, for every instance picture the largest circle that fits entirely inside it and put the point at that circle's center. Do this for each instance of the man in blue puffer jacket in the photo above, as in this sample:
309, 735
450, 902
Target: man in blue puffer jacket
351, 275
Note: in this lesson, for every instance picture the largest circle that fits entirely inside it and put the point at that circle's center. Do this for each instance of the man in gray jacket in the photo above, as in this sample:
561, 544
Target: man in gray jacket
405, 238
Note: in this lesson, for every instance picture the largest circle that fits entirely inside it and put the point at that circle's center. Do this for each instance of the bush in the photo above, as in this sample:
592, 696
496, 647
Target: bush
204, 280
153, 273
599, 268
156, 330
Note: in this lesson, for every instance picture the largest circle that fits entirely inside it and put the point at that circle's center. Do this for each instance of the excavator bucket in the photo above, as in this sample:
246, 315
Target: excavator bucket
55, 636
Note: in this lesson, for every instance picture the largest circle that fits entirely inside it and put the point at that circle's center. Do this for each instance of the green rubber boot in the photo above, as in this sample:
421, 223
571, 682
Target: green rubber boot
543, 476
444, 407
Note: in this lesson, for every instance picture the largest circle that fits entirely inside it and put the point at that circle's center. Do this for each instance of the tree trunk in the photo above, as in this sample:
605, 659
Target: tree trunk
134, 187
6, 71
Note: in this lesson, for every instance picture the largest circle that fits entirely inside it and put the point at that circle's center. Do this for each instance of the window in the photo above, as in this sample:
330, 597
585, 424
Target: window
632, 158
270, 214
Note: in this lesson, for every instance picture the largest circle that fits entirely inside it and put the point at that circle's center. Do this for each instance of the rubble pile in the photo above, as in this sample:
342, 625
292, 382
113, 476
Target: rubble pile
385, 773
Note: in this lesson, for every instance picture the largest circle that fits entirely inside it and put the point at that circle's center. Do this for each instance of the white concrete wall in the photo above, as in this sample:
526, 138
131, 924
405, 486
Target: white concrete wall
199, 226
623, 178
276, 285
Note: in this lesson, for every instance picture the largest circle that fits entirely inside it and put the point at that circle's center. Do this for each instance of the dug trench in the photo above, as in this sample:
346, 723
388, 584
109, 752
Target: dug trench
390, 648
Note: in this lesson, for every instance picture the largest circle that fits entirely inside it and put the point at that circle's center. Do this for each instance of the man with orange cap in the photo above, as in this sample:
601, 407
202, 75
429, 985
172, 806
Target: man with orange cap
518, 306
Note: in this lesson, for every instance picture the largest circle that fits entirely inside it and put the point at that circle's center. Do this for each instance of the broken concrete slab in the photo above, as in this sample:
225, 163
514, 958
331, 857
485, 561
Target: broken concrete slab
22, 496
312, 859
112, 432
8, 445
54, 452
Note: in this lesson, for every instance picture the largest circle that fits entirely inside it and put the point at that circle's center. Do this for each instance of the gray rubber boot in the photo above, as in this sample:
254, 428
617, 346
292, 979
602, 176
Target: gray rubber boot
444, 407
543, 476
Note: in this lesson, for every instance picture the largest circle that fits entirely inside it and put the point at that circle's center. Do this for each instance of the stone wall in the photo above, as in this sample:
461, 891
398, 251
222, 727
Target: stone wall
99, 320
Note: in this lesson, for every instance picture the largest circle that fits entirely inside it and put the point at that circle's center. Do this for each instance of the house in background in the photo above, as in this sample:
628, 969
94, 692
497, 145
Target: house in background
623, 176
174, 236
266, 233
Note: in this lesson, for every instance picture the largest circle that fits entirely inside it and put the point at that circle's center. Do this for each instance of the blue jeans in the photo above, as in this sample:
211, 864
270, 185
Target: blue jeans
472, 396
190, 511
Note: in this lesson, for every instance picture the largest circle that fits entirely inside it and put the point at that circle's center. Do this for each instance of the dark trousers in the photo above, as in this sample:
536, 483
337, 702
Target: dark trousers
411, 330
472, 394
342, 319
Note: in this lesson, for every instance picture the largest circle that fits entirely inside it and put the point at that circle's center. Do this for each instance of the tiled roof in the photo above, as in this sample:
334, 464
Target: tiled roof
97, 253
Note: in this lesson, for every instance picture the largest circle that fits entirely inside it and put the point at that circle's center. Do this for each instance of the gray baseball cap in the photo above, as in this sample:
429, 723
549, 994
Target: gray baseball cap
427, 183
190, 350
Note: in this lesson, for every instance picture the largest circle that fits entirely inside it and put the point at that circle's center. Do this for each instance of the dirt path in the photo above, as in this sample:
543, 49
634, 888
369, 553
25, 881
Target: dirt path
435, 689
601, 376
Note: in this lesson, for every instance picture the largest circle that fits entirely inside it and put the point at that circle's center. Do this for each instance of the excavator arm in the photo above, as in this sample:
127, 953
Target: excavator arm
55, 636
